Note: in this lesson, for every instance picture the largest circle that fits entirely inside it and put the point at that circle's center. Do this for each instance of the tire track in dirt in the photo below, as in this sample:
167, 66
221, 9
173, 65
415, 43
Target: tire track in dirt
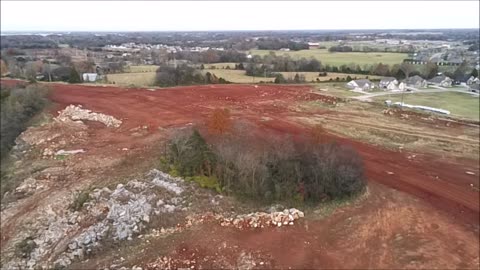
419, 134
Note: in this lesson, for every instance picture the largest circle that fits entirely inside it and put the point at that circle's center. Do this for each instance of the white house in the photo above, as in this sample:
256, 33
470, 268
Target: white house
441, 80
89, 77
388, 83
361, 85
472, 80
313, 45
416, 81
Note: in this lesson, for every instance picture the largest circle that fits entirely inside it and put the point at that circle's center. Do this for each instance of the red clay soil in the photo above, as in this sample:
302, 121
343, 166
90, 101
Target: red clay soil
444, 185
386, 230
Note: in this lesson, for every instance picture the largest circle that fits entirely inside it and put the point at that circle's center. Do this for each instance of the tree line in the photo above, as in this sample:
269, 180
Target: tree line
168, 75
269, 65
18, 105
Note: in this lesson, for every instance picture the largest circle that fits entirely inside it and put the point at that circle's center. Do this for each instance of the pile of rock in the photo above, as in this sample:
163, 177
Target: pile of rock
171, 263
28, 187
123, 212
262, 219
73, 112
54, 228
252, 220
120, 214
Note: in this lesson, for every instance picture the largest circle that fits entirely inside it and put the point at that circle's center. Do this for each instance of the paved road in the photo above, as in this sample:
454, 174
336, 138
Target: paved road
437, 89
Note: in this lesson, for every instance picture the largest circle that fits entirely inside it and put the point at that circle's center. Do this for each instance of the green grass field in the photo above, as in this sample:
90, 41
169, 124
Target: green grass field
132, 78
145, 75
462, 105
338, 59
220, 65
238, 76
141, 68
335, 89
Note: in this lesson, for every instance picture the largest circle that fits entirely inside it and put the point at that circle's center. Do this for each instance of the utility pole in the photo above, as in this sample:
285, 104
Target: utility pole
401, 104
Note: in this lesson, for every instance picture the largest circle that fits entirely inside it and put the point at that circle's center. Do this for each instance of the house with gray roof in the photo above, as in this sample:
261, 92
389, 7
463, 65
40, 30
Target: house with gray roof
474, 88
388, 83
361, 85
441, 80
416, 81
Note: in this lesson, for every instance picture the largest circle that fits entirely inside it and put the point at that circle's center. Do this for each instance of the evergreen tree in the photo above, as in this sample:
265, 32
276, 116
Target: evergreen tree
474, 73
74, 76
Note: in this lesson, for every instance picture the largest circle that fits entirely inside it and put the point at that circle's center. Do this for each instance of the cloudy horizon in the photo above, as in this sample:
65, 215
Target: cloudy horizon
73, 16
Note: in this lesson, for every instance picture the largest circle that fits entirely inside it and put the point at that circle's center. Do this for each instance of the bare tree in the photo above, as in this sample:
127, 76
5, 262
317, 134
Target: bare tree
407, 69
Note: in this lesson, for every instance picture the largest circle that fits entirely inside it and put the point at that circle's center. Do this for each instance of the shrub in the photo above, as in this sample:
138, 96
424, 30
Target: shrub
74, 76
25, 247
279, 78
206, 182
191, 155
317, 134
220, 122
180, 75
80, 199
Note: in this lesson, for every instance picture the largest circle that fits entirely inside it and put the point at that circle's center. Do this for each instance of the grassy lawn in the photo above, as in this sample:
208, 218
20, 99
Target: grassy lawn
220, 65
334, 89
132, 78
238, 76
459, 104
337, 59
234, 76
141, 68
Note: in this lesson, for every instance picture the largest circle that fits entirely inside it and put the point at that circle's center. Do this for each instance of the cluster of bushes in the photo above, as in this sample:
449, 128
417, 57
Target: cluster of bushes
18, 106
340, 48
184, 75
298, 78
259, 70
268, 170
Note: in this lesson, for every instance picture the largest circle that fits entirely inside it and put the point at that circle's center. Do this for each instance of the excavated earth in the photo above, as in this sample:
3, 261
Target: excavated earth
417, 213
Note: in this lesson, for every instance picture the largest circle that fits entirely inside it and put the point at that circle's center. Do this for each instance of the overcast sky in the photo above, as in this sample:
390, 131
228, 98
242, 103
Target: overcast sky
229, 15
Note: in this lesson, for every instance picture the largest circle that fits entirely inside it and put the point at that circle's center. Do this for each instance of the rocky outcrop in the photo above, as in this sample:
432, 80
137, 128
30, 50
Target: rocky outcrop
118, 215
123, 212
74, 113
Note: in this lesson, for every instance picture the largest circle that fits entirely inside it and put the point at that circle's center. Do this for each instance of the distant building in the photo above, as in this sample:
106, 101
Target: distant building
472, 80
474, 88
89, 77
361, 85
441, 80
313, 45
388, 83
285, 49
416, 81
